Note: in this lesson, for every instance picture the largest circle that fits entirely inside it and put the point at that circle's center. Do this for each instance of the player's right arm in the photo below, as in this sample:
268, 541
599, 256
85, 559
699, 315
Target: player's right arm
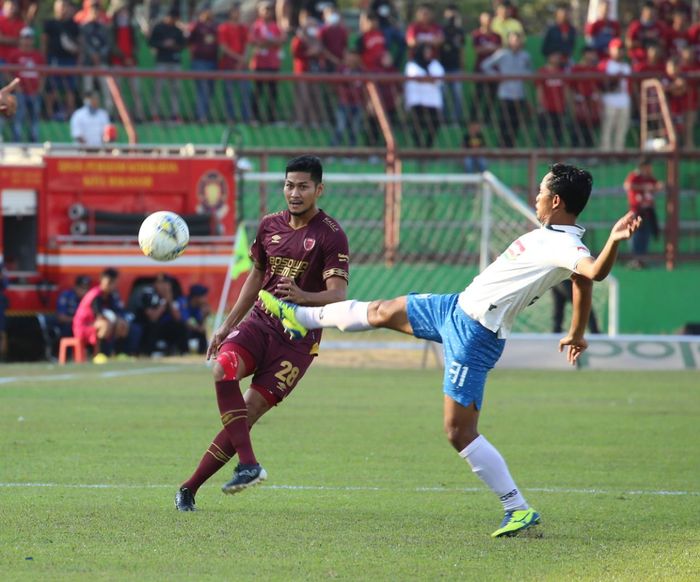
600, 268
244, 303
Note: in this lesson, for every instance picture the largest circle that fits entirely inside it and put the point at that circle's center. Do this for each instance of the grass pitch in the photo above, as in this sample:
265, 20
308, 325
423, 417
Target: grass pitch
363, 485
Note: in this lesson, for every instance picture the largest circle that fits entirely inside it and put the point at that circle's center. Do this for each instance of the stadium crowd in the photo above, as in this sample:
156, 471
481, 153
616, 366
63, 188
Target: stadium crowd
663, 41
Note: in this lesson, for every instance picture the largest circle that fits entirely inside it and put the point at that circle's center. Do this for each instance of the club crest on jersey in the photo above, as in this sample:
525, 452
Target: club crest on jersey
309, 243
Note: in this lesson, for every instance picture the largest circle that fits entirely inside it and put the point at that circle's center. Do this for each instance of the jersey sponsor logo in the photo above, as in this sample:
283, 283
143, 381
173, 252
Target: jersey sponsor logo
309, 244
233, 334
287, 267
343, 258
335, 273
275, 239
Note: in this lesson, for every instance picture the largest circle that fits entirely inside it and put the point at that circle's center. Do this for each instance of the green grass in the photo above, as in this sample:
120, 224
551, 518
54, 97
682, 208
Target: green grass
561, 433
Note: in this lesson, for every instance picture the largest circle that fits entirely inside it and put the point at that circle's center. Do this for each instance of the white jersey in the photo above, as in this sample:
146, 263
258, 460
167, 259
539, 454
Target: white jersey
532, 264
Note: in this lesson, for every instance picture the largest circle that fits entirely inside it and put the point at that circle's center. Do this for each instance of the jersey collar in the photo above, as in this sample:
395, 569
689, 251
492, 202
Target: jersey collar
574, 229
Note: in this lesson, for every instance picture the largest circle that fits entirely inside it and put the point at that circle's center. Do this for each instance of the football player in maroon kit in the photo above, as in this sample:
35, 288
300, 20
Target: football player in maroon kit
301, 256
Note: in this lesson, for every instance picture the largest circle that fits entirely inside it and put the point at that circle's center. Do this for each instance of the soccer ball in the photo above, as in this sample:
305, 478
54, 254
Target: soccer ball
163, 236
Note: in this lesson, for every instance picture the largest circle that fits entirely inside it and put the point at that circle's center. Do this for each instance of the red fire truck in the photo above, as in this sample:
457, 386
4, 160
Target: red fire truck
66, 212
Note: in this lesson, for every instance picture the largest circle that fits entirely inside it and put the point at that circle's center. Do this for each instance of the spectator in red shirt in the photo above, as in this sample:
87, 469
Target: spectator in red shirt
124, 49
351, 99
694, 39
645, 31
641, 185
551, 101
10, 27
334, 39
485, 42
689, 64
306, 53
585, 94
602, 30
266, 38
28, 95
676, 86
233, 42
653, 63
424, 31
371, 44
205, 51
667, 8
677, 35
389, 95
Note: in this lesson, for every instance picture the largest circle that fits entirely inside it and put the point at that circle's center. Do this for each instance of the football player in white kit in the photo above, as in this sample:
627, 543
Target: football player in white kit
473, 325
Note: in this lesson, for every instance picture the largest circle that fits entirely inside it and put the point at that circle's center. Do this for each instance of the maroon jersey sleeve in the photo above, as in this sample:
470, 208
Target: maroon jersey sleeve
257, 252
336, 256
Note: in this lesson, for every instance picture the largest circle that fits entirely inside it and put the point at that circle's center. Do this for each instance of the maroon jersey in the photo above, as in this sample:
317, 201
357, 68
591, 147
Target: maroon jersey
310, 255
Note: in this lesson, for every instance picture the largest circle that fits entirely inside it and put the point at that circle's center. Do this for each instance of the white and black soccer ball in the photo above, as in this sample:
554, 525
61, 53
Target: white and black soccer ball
163, 236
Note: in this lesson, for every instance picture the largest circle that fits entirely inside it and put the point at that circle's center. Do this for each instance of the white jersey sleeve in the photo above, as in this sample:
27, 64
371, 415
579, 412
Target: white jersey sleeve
528, 268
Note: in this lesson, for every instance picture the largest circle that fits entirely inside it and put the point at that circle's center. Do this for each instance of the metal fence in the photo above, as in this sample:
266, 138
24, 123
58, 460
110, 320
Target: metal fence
361, 123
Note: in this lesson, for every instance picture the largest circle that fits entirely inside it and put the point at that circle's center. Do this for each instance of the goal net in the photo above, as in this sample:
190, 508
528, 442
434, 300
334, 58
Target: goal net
423, 233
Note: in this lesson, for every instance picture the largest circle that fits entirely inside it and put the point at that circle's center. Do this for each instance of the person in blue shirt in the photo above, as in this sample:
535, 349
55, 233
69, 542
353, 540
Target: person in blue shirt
67, 304
198, 309
162, 317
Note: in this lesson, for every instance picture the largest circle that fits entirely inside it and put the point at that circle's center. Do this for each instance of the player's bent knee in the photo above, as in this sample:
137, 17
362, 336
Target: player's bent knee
460, 436
226, 366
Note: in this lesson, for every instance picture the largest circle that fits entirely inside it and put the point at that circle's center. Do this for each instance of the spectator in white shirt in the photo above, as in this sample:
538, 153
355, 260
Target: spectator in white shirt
87, 124
424, 96
617, 104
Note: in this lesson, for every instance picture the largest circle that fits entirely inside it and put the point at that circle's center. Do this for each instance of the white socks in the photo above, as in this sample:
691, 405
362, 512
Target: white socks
491, 468
345, 315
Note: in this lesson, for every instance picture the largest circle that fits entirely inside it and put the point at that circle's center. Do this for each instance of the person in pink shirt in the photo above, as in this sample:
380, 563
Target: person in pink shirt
99, 318
28, 96
266, 38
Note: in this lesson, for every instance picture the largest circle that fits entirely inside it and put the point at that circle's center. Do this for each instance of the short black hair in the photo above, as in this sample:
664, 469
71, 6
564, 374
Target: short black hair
310, 164
110, 273
573, 185
644, 161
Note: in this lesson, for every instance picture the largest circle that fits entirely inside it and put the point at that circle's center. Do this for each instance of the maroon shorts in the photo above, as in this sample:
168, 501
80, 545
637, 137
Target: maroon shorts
277, 366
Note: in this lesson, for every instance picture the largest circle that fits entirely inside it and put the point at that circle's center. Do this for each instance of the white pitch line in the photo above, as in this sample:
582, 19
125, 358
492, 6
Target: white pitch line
73, 376
564, 490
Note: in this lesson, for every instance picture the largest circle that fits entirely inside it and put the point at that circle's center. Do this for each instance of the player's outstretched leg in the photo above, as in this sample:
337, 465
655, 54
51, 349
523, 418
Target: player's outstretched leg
285, 312
348, 315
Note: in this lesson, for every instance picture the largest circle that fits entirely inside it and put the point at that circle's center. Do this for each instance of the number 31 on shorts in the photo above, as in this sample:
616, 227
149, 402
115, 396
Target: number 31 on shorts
287, 375
458, 373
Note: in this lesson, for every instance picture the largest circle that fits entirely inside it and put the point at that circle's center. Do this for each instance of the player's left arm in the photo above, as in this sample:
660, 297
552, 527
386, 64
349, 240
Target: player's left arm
575, 343
599, 268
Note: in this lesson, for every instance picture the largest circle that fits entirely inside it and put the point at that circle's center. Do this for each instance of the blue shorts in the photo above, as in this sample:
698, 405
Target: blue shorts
470, 350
